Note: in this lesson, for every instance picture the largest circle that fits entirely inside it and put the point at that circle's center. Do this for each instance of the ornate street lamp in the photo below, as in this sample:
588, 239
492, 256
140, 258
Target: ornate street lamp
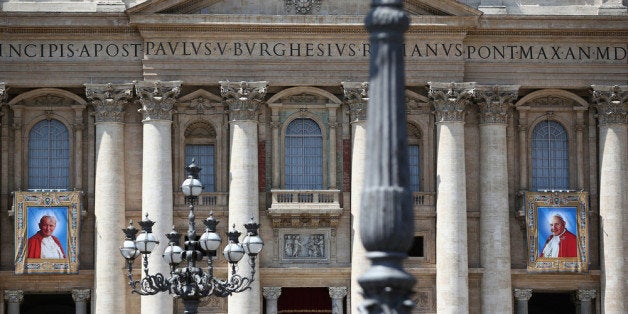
189, 282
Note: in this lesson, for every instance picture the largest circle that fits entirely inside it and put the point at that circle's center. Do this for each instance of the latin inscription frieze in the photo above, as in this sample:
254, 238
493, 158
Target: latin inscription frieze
281, 49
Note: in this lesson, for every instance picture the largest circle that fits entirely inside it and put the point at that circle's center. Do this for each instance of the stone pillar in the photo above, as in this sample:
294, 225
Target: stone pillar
14, 298
580, 145
333, 125
523, 148
275, 125
80, 297
157, 99
611, 103
271, 294
243, 100
109, 103
356, 96
492, 7
452, 272
585, 297
337, 295
494, 103
522, 296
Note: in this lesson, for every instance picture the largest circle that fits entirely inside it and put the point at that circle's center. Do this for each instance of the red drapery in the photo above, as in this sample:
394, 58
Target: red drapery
304, 301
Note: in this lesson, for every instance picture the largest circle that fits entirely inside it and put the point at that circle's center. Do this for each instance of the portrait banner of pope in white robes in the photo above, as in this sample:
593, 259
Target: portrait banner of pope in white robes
557, 231
46, 232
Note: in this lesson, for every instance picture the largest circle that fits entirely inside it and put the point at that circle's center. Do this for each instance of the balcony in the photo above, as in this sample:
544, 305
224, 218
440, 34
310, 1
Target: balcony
305, 208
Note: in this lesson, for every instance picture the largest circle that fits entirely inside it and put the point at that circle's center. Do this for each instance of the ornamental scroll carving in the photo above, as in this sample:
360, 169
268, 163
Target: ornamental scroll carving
14, 296
271, 293
450, 99
81, 295
356, 96
523, 294
337, 292
303, 6
586, 295
157, 98
109, 100
611, 103
3, 93
494, 102
243, 98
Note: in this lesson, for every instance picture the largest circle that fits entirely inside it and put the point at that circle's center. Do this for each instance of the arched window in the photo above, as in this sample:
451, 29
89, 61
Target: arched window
303, 155
414, 157
550, 157
49, 156
199, 144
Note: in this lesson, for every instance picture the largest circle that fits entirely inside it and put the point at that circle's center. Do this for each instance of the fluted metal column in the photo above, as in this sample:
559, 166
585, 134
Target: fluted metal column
109, 101
386, 218
243, 100
157, 99
612, 112
356, 96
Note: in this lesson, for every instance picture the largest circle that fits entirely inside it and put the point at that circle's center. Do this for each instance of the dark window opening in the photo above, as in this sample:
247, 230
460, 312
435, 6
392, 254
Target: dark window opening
49, 304
551, 303
416, 250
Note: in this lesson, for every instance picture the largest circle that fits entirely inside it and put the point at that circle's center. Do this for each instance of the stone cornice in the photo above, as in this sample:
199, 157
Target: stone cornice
157, 98
109, 100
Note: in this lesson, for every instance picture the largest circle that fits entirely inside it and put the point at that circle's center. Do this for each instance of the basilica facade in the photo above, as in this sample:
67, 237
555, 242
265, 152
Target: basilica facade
517, 147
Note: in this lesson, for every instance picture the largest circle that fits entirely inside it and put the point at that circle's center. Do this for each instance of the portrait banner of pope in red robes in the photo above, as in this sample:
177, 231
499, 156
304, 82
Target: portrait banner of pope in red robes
557, 231
46, 232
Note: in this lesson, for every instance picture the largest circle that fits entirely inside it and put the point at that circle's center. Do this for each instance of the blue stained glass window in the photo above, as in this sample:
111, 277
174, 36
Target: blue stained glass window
303, 163
49, 156
550, 157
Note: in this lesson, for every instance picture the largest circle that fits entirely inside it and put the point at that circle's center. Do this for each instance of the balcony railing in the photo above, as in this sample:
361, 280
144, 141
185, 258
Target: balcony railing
296, 208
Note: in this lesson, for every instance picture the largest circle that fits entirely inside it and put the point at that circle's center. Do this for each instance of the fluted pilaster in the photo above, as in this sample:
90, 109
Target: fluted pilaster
243, 100
109, 102
611, 103
452, 273
494, 102
157, 99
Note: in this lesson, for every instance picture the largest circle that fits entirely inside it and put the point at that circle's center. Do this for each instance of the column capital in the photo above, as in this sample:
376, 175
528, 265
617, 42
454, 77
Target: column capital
3, 93
81, 295
523, 294
357, 97
611, 103
450, 99
243, 98
157, 98
494, 102
109, 100
271, 293
337, 292
14, 296
586, 294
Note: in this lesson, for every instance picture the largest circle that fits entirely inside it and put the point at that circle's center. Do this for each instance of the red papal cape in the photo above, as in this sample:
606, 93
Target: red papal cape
34, 245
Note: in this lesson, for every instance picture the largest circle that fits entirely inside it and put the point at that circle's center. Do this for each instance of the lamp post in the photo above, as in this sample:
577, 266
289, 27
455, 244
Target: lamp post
190, 282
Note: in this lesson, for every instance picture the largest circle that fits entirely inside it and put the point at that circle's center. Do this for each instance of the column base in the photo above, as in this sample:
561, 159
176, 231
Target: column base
493, 9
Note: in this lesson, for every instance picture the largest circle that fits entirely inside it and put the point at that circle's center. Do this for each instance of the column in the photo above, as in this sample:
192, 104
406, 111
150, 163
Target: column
157, 99
80, 297
611, 102
585, 297
109, 103
337, 295
243, 100
492, 7
333, 125
14, 298
522, 296
452, 273
271, 294
275, 124
494, 103
356, 96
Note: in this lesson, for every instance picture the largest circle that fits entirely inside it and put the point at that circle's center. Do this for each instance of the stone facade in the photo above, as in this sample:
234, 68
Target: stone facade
135, 82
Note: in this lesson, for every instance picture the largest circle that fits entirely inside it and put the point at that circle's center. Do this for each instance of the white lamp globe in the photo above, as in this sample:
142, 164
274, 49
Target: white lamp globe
172, 254
146, 242
210, 241
252, 244
233, 252
192, 187
129, 250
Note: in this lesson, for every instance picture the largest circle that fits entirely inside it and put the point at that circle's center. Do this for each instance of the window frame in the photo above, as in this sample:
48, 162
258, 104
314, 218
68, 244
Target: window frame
27, 153
324, 147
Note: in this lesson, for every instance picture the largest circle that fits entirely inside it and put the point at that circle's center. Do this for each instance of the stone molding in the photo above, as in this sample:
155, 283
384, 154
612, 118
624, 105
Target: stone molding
271, 293
586, 294
523, 294
14, 296
109, 100
450, 99
3, 93
337, 292
356, 96
157, 98
243, 98
494, 102
611, 103
81, 295
302, 6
